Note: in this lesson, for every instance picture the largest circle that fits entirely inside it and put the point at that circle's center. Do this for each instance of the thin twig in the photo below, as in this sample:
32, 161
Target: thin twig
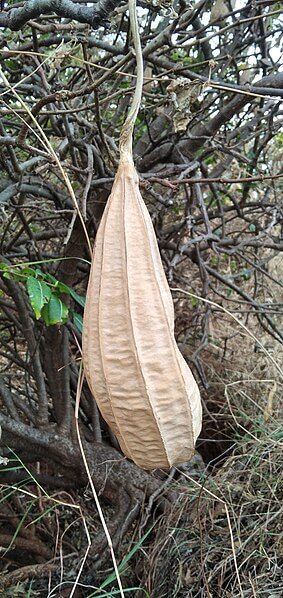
250, 333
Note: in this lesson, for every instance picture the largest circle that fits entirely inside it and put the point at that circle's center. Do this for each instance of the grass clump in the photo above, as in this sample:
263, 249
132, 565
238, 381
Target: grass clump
224, 537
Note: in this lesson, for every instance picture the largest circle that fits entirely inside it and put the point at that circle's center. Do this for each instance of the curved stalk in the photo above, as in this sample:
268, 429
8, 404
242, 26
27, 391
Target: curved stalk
126, 138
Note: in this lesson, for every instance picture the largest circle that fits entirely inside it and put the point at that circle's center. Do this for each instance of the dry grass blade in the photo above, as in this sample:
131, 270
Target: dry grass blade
95, 496
230, 522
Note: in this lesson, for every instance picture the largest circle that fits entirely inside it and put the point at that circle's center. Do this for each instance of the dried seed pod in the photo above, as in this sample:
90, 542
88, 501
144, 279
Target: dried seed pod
142, 384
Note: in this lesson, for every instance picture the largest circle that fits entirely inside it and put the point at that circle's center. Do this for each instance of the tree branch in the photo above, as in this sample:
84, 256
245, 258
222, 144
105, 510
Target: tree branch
16, 18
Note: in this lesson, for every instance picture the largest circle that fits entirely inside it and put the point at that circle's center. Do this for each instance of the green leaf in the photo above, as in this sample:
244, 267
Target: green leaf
125, 560
50, 277
118, 593
194, 302
3, 267
78, 298
38, 273
39, 293
55, 311
27, 271
19, 527
78, 321
18, 275
61, 287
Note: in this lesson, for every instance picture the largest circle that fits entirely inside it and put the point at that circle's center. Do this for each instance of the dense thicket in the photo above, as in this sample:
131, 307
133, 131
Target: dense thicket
207, 149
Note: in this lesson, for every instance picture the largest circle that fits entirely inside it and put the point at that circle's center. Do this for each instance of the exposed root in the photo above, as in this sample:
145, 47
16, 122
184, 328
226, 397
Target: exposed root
22, 574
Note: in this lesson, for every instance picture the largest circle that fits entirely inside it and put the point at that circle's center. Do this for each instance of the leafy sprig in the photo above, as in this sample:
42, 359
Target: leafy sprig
45, 294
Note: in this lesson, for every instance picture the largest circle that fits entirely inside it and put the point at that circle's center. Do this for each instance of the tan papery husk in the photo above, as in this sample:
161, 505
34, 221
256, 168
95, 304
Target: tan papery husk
142, 384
